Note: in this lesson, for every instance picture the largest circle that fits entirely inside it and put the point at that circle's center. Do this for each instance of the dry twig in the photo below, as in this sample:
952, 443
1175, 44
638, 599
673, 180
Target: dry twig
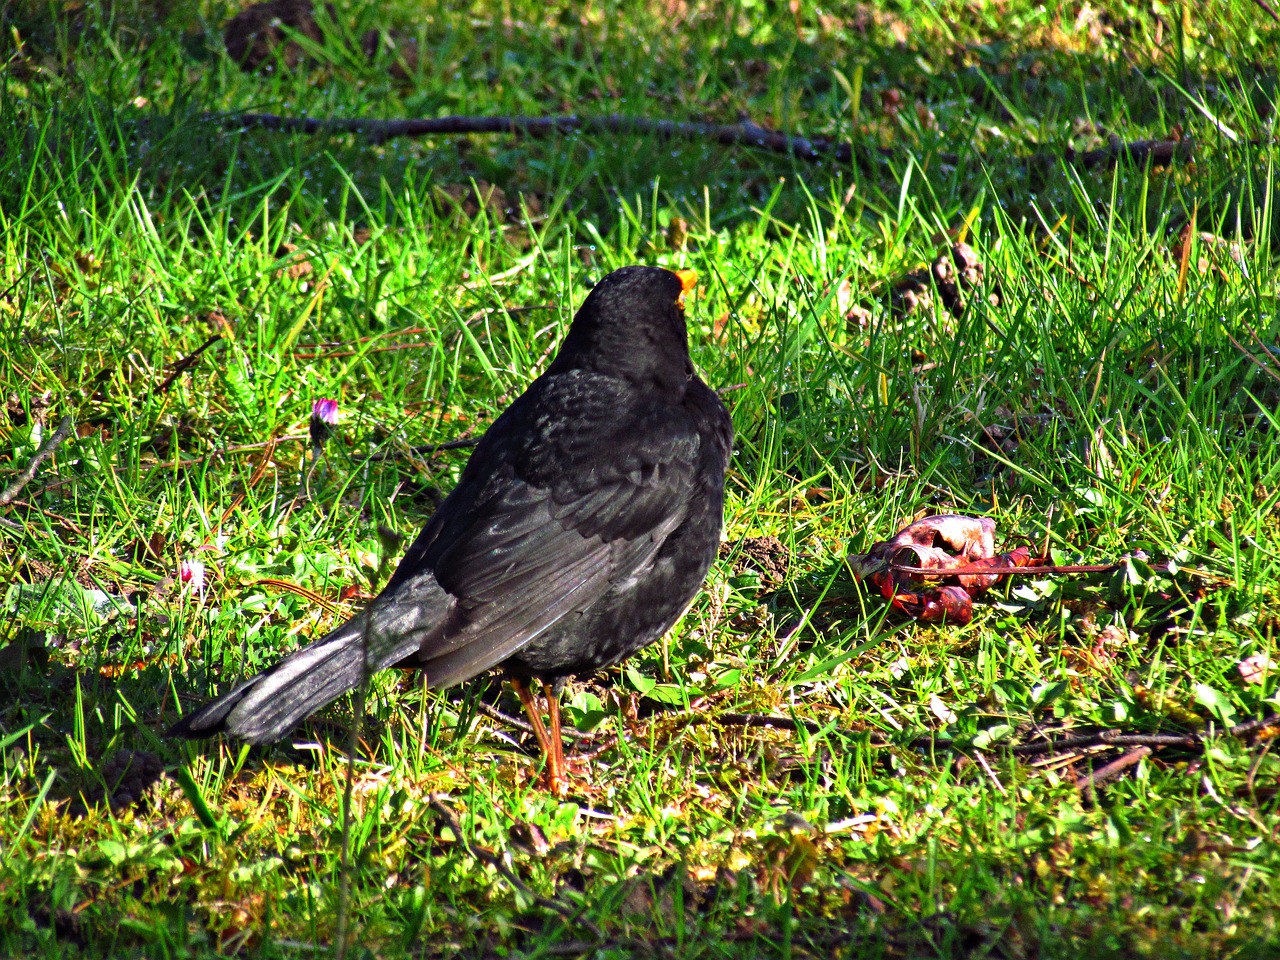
424, 449
985, 570
185, 364
301, 591
1268, 9
493, 713
42, 454
1089, 783
1103, 739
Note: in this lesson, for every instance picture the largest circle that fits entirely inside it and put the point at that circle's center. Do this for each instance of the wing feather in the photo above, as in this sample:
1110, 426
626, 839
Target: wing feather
546, 534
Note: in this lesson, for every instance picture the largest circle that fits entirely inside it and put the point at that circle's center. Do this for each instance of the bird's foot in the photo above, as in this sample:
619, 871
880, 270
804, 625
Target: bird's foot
574, 778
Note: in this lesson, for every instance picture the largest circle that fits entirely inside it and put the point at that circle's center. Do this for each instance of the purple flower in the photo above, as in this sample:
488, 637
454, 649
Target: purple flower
324, 414
326, 410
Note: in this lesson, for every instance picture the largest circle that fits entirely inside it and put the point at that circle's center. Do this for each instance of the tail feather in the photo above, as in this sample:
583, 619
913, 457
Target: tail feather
265, 708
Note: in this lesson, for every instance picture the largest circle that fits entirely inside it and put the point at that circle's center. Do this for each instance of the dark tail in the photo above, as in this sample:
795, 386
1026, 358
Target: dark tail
265, 708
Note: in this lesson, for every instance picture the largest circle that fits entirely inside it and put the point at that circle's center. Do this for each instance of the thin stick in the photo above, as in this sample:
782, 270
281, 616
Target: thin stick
186, 363
1107, 738
493, 713
301, 591
258, 473
238, 448
1254, 360
319, 348
439, 803
42, 454
1266, 350
334, 345
354, 353
797, 723
70, 525
1095, 778
1270, 11
1112, 738
991, 774
1103, 738
978, 569
425, 449
1255, 726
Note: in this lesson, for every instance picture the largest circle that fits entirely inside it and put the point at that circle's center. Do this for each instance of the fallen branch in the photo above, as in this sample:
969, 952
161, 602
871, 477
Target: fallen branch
746, 133
1113, 738
875, 738
315, 351
408, 331
439, 804
44, 452
1254, 726
258, 473
193, 461
69, 525
1159, 153
1269, 351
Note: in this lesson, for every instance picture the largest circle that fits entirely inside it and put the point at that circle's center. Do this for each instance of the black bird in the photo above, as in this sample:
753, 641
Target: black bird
579, 532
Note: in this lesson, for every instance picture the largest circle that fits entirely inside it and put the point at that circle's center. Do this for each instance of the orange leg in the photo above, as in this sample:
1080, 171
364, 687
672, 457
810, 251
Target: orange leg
557, 738
549, 750
531, 711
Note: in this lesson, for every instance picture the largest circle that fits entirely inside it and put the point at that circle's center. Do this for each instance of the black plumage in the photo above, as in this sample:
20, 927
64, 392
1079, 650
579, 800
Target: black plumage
580, 530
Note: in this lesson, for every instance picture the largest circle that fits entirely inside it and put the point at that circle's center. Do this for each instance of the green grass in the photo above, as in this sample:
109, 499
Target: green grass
1145, 396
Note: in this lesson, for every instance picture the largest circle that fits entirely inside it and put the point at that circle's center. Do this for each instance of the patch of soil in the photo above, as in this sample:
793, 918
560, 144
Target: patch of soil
255, 38
954, 274
19, 415
127, 776
763, 555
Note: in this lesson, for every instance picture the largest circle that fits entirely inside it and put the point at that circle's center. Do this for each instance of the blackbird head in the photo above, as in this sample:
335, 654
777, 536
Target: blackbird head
632, 325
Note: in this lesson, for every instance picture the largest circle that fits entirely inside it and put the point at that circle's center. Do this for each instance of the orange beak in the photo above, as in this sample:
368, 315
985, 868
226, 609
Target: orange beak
688, 280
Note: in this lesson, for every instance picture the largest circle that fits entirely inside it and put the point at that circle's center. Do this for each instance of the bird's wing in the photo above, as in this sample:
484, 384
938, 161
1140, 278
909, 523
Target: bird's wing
543, 542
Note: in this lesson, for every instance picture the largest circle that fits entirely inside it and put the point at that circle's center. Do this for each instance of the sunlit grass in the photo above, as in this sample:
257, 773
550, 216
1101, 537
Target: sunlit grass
1138, 385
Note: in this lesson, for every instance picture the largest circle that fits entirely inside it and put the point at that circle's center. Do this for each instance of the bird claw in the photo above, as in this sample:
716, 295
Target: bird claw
574, 776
